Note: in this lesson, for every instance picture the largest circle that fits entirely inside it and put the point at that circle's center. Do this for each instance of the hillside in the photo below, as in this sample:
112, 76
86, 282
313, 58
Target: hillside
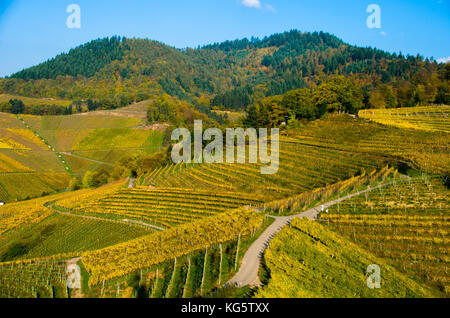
117, 71
46, 151
183, 230
318, 263
363, 153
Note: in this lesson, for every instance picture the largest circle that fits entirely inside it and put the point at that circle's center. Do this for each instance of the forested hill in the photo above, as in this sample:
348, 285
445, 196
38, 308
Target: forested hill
117, 71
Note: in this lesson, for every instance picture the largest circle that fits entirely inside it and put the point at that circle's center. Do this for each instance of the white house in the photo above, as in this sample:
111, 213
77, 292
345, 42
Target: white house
2, 203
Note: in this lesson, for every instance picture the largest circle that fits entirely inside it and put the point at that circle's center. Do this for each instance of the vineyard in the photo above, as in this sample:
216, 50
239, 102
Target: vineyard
28, 166
121, 259
30, 101
16, 215
427, 151
306, 260
194, 275
37, 280
164, 207
65, 234
301, 168
182, 229
431, 118
95, 140
406, 224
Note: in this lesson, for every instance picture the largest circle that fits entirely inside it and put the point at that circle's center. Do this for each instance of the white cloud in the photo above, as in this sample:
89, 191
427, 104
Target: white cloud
252, 3
443, 60
383, 33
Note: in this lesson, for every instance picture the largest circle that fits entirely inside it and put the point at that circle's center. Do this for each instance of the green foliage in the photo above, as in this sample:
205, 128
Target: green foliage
100, 177
138, 163
17, 106
85, 60
88, 180
300, 103
74, 184
336, 95
339, 94
115, 72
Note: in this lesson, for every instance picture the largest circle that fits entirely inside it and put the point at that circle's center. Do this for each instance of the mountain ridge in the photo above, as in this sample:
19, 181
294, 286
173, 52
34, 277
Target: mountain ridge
117, 71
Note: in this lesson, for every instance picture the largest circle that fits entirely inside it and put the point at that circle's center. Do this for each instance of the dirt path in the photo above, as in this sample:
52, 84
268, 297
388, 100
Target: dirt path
112, 221
248, 272
88, 159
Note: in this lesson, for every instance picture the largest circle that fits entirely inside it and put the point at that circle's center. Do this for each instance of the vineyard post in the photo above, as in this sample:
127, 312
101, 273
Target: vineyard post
155, 284
169, 287
204, 271
103, 288
220, 265
237, 252
187, 277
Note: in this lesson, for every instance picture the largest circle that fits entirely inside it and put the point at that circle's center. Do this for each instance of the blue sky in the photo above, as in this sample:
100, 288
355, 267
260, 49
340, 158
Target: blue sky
31, 31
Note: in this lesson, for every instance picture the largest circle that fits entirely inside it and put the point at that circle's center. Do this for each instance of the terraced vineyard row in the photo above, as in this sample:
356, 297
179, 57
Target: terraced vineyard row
301, 168
432, 118
141, 253
16, 215
66, 234
165, 207
306, 199
405, 223
37, 280
308, 260
427, 150
194, 275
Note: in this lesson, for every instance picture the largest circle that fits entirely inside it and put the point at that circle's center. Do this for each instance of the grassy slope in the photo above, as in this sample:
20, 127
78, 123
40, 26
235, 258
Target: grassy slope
28, 168
98, 139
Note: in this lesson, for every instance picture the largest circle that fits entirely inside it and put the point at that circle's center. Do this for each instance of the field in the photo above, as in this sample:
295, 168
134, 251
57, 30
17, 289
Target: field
43, 151
195, 275
147, 251
431, 118
40, 280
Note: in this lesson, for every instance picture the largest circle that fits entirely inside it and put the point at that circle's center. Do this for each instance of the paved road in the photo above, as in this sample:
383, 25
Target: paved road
248, 272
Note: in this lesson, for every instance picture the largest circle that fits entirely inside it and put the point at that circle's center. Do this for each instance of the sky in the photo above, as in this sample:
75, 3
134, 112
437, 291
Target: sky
32, 31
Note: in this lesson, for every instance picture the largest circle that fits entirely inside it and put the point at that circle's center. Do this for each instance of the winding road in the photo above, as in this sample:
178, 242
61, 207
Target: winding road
248, 272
